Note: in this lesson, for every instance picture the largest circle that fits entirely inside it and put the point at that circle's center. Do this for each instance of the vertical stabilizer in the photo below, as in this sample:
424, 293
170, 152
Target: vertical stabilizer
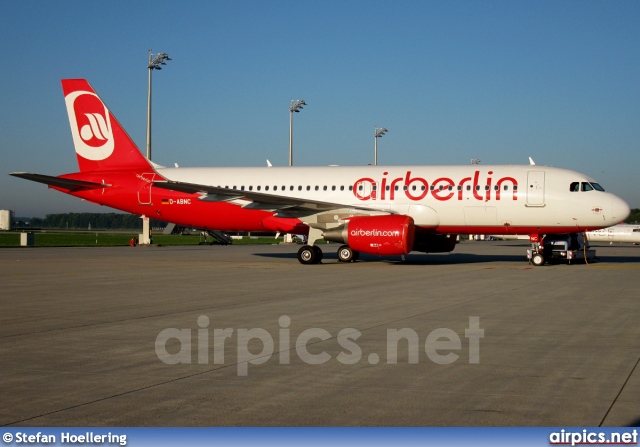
100, 142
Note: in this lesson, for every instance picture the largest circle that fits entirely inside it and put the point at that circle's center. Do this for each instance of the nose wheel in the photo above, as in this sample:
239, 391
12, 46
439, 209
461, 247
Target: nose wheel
537, 259
309, 254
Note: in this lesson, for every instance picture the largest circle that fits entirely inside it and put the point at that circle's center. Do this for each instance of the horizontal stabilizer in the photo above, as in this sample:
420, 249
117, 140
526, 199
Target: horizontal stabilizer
59, 182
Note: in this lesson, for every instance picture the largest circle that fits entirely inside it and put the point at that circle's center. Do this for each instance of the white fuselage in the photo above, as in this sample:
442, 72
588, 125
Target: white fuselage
482, 199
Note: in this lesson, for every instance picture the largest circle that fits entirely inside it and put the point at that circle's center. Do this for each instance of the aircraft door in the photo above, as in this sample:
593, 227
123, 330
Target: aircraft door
144, 193
535, 188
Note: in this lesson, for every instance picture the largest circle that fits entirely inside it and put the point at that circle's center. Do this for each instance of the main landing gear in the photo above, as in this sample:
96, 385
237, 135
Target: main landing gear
312, 254
345, 254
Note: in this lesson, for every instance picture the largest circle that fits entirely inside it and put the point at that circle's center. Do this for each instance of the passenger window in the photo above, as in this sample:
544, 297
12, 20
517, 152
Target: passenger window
388, 188
318, 188
468, 187
308, 188
341, 187
324, 188
350, 187
333, 188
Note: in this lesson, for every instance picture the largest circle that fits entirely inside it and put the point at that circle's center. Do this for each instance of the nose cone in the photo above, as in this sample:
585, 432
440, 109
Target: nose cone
619, 210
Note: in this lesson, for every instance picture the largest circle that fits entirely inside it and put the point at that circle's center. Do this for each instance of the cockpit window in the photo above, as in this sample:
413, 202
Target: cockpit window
587, 186
575, 186
597, 187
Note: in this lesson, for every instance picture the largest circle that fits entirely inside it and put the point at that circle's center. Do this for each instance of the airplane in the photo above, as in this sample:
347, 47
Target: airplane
378, 210
616, 233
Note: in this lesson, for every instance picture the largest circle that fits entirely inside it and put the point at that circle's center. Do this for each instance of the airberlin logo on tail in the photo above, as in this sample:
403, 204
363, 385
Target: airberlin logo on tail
90, 125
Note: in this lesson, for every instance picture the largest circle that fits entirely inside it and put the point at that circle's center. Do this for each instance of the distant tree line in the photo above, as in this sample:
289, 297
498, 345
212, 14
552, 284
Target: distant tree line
634, 217
84, 221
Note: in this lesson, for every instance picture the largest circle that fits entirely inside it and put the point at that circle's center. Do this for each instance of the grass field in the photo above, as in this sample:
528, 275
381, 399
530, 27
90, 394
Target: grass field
101, 239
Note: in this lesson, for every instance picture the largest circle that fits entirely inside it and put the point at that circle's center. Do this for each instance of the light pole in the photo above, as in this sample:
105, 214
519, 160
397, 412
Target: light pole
154, 64
377, 134
294, 106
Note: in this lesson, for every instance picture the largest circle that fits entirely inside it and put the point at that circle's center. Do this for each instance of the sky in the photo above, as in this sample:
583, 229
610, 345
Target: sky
499, 81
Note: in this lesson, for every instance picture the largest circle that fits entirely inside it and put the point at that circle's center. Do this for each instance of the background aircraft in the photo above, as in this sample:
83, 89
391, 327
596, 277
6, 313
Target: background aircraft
617, 233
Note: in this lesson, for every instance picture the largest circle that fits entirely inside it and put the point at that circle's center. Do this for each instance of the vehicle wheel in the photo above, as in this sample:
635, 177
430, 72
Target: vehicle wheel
318, 251
537, 259
345, 254
307, 255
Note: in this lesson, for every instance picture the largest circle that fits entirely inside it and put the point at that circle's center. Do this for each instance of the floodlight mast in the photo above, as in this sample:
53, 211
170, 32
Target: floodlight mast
377, 134
294, 106
154, 64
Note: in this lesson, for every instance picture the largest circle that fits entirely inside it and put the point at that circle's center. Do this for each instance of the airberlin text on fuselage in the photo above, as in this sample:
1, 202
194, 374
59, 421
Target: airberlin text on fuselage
443, 188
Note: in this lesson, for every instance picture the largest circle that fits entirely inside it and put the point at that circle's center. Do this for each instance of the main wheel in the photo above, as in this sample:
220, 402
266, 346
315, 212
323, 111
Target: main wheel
307, 255
345, 254
319, 254
537, 259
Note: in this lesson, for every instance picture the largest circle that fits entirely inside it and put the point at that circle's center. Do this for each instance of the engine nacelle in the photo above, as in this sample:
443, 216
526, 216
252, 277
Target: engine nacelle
434, 243
376, 235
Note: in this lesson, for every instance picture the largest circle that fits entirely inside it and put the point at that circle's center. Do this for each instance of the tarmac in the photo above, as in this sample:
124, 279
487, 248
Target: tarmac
247, 336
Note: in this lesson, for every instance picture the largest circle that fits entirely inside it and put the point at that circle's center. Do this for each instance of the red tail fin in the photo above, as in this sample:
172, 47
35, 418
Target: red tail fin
100, 142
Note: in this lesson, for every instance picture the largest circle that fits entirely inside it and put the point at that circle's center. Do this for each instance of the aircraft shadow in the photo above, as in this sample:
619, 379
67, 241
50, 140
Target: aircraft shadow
453, 258
413, 259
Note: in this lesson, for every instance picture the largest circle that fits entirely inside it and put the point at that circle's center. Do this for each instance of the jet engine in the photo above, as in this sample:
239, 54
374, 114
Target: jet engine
377, 235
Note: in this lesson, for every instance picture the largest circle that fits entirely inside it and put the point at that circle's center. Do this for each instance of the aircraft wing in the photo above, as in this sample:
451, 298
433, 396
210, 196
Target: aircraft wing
259, 200
59, 182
